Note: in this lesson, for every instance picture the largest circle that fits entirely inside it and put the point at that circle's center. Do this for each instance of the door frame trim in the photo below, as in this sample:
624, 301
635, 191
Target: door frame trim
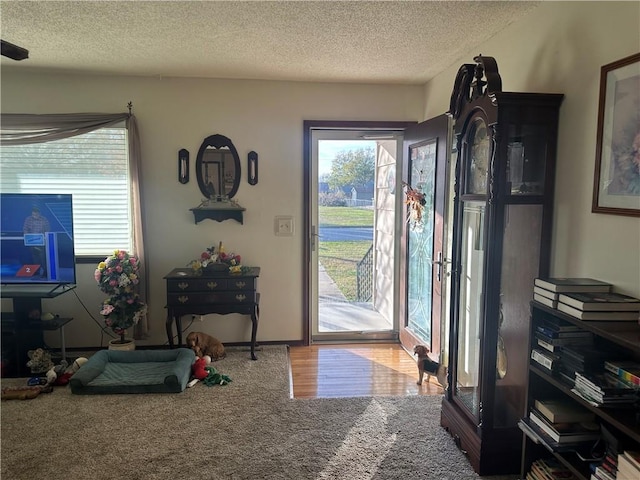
308, 127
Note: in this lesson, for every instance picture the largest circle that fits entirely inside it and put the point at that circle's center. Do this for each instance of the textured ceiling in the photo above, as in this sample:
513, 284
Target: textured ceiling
328, 41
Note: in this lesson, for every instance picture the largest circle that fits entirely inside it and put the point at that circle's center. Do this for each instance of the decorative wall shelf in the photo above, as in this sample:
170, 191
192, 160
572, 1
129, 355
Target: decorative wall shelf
218, 211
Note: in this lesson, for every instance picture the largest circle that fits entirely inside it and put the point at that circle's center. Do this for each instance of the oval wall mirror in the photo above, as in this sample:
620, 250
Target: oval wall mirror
218, 168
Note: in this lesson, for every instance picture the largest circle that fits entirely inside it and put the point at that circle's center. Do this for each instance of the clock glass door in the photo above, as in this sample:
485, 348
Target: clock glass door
470, 260
466, 387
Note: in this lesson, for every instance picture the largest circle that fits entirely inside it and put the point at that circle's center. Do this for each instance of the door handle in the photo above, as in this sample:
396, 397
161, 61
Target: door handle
442, 265
314, 235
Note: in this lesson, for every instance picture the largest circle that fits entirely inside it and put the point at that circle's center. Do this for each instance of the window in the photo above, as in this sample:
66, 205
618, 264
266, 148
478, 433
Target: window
94, 168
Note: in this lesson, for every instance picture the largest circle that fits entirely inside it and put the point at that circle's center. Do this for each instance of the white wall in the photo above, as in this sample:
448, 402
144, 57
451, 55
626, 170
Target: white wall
179, 113
559, 48
386, 223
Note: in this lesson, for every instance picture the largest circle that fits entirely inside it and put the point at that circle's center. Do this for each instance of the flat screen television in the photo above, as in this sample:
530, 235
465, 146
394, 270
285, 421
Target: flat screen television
36, 239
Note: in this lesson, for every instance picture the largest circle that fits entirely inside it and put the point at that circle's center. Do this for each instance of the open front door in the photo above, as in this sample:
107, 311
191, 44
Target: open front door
422, 273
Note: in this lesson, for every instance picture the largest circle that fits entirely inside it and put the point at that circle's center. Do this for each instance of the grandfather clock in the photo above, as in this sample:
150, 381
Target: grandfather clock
503, 203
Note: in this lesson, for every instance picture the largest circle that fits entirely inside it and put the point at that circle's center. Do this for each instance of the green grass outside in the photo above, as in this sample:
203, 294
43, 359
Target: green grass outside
345, 217
340, 260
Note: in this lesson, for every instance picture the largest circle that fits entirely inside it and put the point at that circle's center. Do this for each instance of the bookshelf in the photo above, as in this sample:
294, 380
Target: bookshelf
622, 421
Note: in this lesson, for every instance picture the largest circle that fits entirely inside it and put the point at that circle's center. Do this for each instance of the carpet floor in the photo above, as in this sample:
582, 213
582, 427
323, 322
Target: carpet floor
249, 429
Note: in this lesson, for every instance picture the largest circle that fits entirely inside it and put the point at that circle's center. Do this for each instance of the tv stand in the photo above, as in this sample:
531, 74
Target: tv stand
22, 329
35, 290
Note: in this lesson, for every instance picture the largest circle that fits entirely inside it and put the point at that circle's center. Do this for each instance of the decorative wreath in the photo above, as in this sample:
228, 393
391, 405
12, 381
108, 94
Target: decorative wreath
416, 201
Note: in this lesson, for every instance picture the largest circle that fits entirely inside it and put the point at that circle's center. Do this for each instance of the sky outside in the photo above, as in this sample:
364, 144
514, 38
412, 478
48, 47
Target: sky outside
328, 149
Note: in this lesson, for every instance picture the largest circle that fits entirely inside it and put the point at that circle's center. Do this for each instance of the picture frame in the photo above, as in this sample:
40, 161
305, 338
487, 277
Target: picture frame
616, 185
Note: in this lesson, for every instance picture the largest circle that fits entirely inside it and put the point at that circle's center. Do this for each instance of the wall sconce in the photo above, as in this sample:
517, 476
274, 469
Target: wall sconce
252, 168
183, 165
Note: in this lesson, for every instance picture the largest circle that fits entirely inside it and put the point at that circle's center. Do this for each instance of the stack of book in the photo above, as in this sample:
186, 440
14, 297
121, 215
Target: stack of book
607, 468
562, 423
604, 389
549, 468
599, 306
551, 337
563, 410
626, 370
548, 290
628, 465
583, 359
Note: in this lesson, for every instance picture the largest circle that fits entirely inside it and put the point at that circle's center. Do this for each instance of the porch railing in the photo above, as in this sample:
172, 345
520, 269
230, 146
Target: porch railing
364, 277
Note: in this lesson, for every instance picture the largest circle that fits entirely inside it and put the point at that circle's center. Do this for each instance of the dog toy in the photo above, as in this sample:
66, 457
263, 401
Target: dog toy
215, 378
39, 361
198, 369
24, 393
61, 374
209, 375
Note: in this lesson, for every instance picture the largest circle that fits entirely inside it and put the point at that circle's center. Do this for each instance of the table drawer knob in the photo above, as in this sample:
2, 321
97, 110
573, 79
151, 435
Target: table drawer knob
241, 297
183, 299
212, 285
240, 284
183, 285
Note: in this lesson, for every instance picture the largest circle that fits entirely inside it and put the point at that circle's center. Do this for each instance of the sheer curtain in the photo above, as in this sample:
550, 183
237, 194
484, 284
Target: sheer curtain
20, 129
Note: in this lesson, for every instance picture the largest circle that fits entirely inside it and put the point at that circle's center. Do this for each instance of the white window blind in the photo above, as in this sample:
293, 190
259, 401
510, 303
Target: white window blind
94, 168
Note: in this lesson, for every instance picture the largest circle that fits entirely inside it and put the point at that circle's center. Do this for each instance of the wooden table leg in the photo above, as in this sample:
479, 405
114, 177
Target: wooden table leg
179, 329
169, 329
254, 330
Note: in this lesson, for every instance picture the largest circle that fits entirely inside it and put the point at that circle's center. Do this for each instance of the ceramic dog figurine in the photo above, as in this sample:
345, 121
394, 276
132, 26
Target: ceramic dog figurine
428, 366
204, 344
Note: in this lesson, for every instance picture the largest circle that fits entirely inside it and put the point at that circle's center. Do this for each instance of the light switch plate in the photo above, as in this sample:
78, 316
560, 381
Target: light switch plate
283, 226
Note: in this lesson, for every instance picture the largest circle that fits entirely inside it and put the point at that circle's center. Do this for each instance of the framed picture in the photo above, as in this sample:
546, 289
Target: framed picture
616, 185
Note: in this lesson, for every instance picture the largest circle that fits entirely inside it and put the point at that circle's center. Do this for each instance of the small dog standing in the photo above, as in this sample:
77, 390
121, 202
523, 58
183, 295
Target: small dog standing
428, 366
204, 344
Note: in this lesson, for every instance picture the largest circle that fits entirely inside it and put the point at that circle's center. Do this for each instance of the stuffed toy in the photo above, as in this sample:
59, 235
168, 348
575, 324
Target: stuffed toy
39, 361
198, 369
60, 374
215, 378
75, 366
202, 370
24, 393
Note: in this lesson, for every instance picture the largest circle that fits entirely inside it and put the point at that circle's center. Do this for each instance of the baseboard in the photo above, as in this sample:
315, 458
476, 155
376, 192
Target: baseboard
291, 343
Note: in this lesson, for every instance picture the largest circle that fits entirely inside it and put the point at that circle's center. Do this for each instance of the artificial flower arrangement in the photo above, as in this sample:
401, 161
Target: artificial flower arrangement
117, 276
416, 201
217, 259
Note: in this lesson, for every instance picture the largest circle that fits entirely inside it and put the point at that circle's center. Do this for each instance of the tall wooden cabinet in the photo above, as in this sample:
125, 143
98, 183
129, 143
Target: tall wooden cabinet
503, 201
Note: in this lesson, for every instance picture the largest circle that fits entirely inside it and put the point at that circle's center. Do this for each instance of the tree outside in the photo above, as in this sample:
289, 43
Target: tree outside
352, 168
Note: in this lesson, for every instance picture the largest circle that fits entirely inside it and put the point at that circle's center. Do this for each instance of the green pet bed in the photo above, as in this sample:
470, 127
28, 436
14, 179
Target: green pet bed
138, 371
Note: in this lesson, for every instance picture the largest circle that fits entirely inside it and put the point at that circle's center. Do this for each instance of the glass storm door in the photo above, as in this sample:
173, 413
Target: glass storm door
353, 235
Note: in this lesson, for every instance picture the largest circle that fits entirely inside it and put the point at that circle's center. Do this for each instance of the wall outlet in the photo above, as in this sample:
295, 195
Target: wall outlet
283, 226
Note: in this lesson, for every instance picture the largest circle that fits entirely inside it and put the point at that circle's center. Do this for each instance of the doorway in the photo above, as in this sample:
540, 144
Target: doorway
352, 232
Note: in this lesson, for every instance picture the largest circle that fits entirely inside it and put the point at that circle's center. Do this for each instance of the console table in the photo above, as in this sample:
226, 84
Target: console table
221, 293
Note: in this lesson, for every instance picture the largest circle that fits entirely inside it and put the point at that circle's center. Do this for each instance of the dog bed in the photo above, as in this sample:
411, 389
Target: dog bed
138, 371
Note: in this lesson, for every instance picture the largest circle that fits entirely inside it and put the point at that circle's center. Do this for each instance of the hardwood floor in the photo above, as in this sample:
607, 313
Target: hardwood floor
356, 370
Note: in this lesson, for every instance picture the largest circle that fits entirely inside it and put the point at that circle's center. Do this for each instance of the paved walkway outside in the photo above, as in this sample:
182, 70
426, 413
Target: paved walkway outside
337, 314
